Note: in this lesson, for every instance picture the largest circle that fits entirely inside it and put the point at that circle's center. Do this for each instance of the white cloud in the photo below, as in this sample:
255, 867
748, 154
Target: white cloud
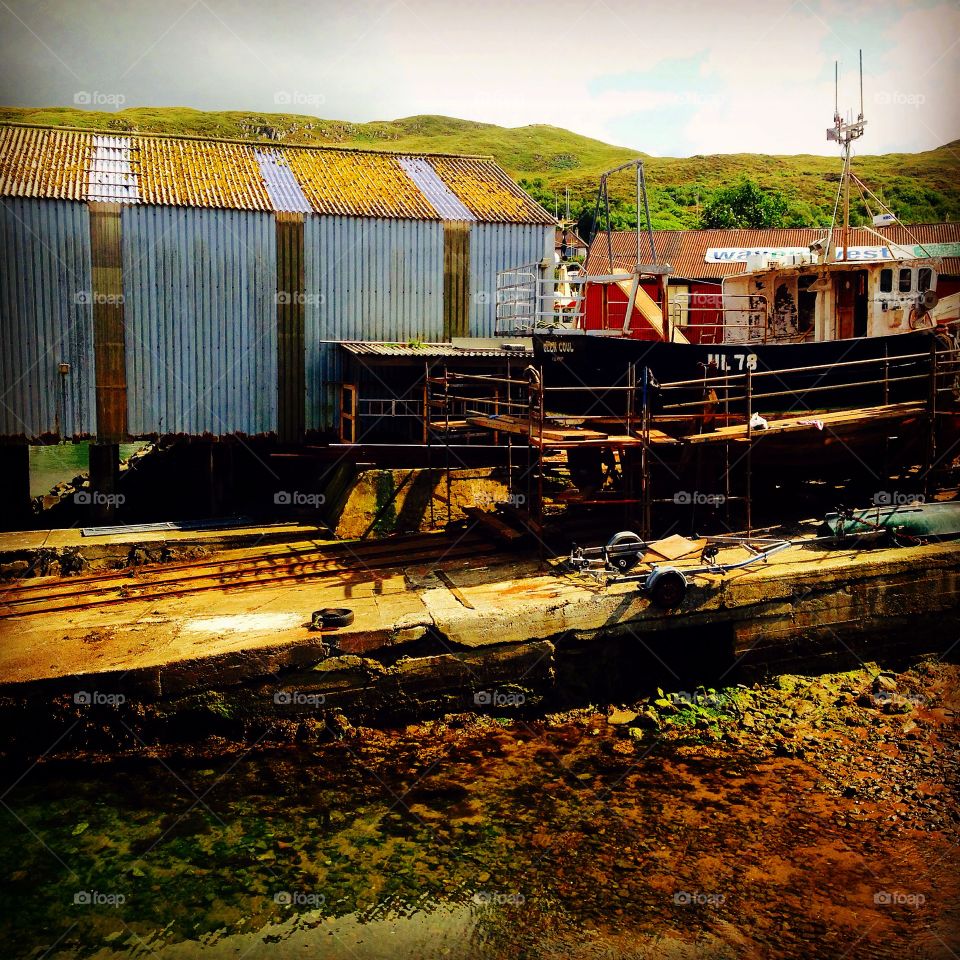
746, 75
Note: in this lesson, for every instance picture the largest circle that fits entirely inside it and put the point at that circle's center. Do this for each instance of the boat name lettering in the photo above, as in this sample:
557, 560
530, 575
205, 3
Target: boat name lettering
740, 361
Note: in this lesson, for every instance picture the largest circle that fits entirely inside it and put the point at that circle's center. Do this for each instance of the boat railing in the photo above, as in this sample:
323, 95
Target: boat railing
940, 365
539, 296
717, 318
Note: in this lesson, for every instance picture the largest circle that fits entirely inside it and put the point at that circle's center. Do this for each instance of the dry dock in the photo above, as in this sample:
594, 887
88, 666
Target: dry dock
440, 622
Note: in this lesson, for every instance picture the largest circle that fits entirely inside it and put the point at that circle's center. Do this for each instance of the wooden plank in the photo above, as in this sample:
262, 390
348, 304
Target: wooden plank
794, 424
493, 523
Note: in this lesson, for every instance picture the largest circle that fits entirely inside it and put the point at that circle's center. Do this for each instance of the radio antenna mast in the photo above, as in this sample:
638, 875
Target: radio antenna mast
845, 132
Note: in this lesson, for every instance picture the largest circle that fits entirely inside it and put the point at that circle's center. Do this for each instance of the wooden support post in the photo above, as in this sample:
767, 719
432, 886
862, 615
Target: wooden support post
16, 512
103, 497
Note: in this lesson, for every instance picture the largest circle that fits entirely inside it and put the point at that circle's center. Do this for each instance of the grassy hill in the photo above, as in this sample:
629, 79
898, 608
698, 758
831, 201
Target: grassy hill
918, 186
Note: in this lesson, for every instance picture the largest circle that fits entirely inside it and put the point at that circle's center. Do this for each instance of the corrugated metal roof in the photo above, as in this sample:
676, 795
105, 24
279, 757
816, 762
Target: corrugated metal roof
487, 191
194, 172
197, 173
112, 175
341, 182
285, 192
441, 198
423, 351
44, 163
685, 250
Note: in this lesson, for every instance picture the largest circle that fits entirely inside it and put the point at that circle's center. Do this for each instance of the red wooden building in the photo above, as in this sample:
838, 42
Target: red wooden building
702, 258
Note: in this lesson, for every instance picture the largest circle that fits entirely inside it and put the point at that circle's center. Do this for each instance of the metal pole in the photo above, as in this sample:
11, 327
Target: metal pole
646, 208
606, 210
749, 392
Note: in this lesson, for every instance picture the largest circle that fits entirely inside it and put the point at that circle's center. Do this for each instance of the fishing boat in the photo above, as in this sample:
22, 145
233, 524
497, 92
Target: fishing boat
800, 337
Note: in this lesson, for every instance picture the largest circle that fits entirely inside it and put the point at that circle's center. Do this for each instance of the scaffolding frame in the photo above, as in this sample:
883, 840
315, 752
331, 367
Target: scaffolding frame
518, 409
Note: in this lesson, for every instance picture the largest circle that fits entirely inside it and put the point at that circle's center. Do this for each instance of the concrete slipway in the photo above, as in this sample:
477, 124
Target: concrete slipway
428, 637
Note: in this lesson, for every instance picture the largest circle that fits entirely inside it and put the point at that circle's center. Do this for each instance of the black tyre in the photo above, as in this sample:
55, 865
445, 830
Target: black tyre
667, 588
625, 550
332, 617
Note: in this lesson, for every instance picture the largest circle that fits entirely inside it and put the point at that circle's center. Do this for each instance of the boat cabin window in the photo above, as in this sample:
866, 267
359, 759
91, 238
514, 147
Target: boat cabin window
886, 281
905, 280
924, 279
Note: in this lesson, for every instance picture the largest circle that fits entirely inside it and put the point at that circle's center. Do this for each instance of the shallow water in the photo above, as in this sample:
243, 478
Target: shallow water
50, 465
527, 840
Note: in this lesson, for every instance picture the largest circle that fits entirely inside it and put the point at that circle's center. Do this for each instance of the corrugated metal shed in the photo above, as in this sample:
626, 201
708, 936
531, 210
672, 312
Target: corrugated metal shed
201, 329
45, 320
365, 279
193, 172
685, 250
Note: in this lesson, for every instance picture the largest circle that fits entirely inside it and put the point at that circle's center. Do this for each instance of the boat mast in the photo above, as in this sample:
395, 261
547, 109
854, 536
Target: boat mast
845, 132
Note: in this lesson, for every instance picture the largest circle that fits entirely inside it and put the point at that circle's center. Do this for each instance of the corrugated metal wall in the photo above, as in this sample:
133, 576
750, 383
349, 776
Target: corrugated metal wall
495, 247
200, 311
45, 319
201, 330
365, 279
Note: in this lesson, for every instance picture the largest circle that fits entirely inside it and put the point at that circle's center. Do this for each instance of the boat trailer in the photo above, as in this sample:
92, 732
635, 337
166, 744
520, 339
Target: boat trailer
664, 584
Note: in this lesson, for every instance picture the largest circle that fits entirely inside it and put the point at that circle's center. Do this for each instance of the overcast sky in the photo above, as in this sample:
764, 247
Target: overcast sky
671, 77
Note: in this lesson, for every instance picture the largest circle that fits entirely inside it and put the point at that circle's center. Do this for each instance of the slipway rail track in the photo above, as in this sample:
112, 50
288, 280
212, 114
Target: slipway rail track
358, 561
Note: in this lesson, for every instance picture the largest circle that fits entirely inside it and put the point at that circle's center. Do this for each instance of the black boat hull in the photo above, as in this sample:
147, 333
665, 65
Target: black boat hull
793, 377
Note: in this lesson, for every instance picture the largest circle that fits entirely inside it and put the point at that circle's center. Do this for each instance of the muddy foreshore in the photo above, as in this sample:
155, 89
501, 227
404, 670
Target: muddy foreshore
807, 816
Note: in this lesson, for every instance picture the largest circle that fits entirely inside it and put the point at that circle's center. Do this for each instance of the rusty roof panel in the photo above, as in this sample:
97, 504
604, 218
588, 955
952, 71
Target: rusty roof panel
487, 191
199, 173
686, 250
44, 163
346, 183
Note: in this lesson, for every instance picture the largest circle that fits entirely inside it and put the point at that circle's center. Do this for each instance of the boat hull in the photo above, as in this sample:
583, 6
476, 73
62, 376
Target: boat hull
792, 377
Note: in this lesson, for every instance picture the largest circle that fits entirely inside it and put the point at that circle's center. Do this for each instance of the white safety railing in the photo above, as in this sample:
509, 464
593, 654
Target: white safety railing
539, 296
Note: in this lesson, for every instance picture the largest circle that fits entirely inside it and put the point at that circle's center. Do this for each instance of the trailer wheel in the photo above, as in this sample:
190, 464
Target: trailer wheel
630, 548
666, 588
330, 617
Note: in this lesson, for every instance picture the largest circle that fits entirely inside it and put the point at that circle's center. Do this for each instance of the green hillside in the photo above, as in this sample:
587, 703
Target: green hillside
919, 186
